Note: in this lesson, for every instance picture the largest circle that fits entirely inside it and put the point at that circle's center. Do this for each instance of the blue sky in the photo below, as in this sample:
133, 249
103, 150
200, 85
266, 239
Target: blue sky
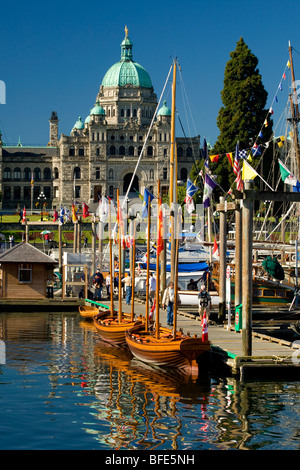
55, 54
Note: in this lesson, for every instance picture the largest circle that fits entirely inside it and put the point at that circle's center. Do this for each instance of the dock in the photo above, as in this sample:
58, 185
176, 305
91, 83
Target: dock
271, 357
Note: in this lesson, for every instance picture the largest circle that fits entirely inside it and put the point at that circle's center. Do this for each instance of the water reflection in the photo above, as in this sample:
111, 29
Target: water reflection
79, 392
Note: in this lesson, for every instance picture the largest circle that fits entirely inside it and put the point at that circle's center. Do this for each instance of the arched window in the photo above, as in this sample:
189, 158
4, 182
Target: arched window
150, 151
189, 152
131, 151
110, 174
81, 151
77, 173
97, 151
47, 174
122, 150
122, 112
37, 174
27, 174
7, 173
112, 150
71, 151
134, 113
151, 174
17, 173
56, 173
179, 152
128, 113
165, 173
111, 191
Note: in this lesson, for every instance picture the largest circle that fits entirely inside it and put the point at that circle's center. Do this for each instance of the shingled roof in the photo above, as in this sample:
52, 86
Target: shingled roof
25, 253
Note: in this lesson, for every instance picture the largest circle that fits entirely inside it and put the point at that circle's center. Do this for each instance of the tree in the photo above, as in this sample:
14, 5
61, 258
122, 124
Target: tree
243, 113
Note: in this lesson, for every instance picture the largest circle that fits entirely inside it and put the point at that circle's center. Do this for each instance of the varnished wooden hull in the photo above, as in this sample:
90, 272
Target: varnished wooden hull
87, 311
181, 352
110, 329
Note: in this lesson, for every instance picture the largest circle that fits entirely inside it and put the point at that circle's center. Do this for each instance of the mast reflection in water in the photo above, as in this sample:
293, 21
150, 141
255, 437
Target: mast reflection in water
63, 388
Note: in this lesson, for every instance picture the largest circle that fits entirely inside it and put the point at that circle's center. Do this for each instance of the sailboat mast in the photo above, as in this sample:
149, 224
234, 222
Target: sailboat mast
173, 166
120, 256
295, 112
110, 261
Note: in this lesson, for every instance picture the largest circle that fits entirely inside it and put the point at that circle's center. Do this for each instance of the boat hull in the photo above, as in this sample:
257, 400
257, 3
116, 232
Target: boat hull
87, 311
181, 352
110, 329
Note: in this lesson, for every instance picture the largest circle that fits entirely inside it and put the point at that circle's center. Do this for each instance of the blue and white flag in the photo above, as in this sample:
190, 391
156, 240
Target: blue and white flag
145, 203
191, 189
62, 216
209, 186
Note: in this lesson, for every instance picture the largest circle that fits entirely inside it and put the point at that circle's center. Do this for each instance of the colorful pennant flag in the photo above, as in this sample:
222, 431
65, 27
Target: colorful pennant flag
248, 173
62, 216
286, 175
160, 242
24, 215
32, 179
191, 189
85, 212
215, 252
208, 189
237, 169
230, 158
214, 158
145, 203
280, 140
74, 213
55, 215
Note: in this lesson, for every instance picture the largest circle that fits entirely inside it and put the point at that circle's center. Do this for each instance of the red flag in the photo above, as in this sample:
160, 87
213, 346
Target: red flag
120, 224
204, 328
160, 242
24, 215
216, 249
55, 216
85, 212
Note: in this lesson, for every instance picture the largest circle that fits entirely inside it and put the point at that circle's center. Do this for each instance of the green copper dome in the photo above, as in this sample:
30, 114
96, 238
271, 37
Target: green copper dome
126, 71
164, 110
97, 109
78, 124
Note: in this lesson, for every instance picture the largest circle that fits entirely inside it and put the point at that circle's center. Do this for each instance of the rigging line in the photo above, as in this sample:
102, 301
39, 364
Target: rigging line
186, 100
147, 136
195, 161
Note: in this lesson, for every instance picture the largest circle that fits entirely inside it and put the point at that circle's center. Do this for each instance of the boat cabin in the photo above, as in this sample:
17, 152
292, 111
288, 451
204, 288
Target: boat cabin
25, 273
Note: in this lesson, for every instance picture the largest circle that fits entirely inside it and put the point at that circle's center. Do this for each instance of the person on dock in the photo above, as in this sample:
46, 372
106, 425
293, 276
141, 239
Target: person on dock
152, 288
128, 287
204, 302
168, 301
98, 284
108, 284
192, 285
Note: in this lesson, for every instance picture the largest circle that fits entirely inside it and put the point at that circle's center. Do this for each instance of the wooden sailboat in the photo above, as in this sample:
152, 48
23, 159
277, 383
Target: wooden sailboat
88, 311
163, 346
112, 325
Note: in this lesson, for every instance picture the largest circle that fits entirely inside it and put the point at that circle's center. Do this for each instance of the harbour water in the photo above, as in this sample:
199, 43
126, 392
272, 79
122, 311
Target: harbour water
62, 388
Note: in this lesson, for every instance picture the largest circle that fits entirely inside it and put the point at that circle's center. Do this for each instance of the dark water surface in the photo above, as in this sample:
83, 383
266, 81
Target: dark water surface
62, 388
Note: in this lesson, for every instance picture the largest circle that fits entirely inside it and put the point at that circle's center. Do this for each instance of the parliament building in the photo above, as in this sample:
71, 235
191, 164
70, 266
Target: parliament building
100, 154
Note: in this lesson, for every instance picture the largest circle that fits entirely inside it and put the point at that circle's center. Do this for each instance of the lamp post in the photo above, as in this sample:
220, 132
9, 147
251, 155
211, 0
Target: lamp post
41, 198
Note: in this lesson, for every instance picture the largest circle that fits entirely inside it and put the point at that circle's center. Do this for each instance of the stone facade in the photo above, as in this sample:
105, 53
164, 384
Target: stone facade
100, 154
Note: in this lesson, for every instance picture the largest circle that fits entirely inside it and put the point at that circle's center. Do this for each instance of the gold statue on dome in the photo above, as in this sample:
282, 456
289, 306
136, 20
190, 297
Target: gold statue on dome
126, 31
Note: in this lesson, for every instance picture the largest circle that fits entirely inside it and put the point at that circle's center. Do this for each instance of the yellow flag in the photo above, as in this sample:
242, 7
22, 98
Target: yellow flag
248, 173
